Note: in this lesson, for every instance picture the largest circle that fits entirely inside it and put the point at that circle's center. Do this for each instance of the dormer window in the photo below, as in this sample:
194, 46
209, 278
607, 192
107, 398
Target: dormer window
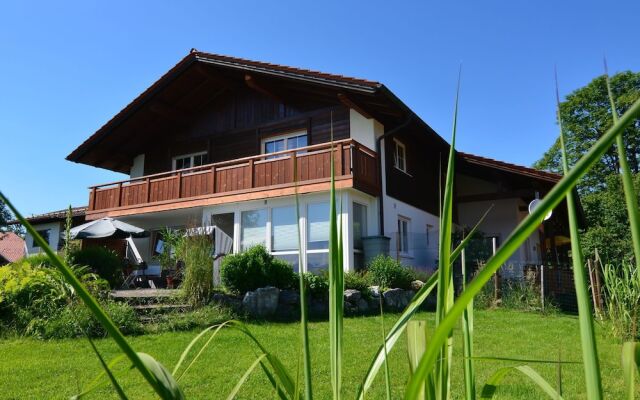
190, 160
290, 141
400, 156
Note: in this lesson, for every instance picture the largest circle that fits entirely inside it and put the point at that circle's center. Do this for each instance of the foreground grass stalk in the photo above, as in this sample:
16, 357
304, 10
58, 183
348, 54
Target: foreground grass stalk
467, 339
304, 326
585, 314
95, 308
445, 289
513, 242
627, 178
336, 286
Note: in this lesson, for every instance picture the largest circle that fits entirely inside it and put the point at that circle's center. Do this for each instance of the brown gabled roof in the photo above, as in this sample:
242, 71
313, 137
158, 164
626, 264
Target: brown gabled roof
513, 168
11, 246
321, 78
59, 215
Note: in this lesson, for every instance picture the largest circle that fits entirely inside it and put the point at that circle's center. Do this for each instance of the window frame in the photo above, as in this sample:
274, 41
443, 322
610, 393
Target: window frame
276, 253
285, 137
401, 242
46, 237
398, 145
191, 157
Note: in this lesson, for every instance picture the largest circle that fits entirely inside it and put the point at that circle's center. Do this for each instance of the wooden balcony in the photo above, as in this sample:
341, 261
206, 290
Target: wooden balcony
251, 178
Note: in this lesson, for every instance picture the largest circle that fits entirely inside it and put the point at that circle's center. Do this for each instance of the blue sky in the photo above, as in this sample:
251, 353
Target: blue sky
65, 69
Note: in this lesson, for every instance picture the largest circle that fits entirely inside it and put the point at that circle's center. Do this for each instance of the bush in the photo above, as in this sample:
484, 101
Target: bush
255, 268
388, 273
358, 281
197, 254
37, 260
317, 285
101, 261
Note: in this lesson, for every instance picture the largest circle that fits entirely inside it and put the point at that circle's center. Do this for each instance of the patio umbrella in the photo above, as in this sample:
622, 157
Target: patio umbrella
107, 228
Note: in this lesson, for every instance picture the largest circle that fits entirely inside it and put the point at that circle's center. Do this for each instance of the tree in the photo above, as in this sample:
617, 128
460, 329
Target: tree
5, 216
586, 116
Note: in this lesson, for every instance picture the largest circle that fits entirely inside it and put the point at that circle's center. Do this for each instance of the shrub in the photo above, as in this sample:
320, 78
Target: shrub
388, 273
255, 268
101, 261
197, 254
317, 285
37, 260
358, 281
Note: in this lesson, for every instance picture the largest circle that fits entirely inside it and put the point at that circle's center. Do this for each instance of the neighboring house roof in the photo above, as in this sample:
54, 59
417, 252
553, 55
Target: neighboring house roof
513, 168
53, 216
11, 247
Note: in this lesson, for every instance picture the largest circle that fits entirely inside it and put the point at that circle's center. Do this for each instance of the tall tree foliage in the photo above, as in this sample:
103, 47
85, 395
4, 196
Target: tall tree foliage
586, 116
5, 216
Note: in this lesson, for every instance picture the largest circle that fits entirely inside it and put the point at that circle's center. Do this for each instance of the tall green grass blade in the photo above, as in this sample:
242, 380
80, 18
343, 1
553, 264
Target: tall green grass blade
278, 392
186, 351
627, 178
585, 313
519, 235
523, 360
395, 333
630, 363
387, 373
284, 379
304, 318
489, 389
467, 340
244, 377
202, 349
157, 382
168, 385
107, 370
416, 345
98, 380
445, 298
336, 288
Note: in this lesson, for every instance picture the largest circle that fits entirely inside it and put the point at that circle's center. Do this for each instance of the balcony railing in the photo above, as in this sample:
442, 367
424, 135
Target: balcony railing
257, 173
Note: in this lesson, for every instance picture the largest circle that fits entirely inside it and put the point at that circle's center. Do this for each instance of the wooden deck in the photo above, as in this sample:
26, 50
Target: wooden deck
241, 179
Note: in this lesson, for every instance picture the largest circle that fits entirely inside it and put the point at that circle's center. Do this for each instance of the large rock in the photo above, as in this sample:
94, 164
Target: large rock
289, 298
352, 296
261, 303
375, 291
397, 299
363, 306
417, 285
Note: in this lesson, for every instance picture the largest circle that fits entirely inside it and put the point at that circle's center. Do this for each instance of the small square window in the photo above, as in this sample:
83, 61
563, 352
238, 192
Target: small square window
45, 235
403, 235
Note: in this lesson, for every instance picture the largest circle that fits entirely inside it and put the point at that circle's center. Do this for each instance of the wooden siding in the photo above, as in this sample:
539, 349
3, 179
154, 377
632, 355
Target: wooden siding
262, 172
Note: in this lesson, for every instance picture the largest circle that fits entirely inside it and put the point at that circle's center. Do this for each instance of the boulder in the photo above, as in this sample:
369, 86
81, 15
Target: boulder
352, 296
262, 302
234, 302
319, 307
289, 298
417, 285
375, 291
397, 299
363, 306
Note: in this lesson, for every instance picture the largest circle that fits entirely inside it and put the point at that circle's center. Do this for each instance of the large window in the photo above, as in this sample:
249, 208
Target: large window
253, 228
317, 236
284, 235
190, 160
290, 141
359, 231
403, 235
400, 156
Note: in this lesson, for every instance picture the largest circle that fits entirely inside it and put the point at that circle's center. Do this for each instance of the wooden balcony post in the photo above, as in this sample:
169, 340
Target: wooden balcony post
251, 173
294, 167
92, 199
119, 195
338, 161
213, 179
147, 184
179, 185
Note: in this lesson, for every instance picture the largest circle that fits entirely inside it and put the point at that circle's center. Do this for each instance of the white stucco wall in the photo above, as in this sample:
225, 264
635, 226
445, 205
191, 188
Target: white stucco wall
55, 231
364, 130
137, 169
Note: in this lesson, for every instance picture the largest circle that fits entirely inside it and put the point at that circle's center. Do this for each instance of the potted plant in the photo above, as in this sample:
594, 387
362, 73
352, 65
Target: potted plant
167, 256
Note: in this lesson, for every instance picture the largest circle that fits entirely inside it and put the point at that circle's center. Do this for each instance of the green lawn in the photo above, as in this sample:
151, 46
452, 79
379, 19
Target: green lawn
31, 369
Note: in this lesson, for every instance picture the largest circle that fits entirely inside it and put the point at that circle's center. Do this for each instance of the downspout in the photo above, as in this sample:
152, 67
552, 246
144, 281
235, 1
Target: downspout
379, 151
